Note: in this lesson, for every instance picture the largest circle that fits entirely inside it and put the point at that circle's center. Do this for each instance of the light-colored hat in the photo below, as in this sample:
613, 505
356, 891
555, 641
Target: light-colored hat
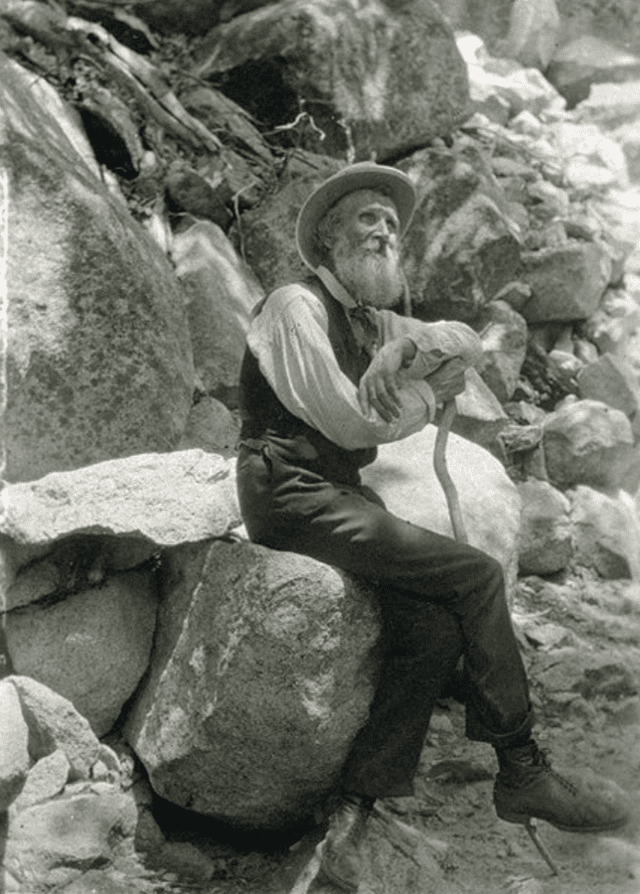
364, 175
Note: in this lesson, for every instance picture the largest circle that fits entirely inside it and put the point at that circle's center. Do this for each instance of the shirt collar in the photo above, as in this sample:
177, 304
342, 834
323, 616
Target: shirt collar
336, 288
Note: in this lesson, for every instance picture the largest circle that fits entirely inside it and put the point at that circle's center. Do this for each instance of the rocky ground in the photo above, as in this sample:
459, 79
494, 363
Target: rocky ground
457, 841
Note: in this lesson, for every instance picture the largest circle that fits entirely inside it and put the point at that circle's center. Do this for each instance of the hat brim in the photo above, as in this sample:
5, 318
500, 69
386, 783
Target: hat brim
365, 175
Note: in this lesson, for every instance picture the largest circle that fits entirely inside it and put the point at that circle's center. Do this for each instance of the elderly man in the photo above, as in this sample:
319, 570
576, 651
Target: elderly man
330, 372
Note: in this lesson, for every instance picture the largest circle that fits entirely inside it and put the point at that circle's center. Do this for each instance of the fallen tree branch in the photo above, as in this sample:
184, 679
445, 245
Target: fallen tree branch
146, 82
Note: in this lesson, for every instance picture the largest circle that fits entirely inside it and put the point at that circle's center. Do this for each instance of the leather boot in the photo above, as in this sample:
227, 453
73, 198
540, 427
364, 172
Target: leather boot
340, 861
526, 786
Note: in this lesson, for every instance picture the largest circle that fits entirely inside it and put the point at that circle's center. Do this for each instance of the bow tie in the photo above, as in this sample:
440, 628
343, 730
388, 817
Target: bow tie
365, 329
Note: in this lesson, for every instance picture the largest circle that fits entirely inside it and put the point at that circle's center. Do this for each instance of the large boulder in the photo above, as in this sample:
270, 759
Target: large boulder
376, 78
611, 380
266, 234
587, 442
404, 477
462, 248
221, 291
258, 683
533, 32
606, 532
567, 282
162, 498
91, 647
98, 356
589, 60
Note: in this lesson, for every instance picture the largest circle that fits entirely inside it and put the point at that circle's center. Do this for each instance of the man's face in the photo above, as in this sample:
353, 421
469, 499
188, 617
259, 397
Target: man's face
370, 221
365, 253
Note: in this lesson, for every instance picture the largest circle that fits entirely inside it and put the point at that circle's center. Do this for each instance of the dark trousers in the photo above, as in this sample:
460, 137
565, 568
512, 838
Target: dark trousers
439, 599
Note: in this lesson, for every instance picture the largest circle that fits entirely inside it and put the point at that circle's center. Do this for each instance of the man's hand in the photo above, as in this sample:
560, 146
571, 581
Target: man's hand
448, 380
380, 386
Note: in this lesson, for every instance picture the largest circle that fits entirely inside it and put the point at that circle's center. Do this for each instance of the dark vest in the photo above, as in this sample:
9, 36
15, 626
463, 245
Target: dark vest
265, 418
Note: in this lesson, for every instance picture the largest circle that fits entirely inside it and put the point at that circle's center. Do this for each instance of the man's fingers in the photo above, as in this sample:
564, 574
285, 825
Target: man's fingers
385, 414
381, 393
384, 396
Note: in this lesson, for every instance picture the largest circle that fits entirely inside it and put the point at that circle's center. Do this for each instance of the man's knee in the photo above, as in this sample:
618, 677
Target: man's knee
485, 572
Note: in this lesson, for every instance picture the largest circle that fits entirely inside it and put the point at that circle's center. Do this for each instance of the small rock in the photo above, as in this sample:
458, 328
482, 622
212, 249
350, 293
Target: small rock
191, 193
547, 636
149, 836
504, 345
627, 713
440, 723
99, 772
110, 759
545, 535
46, 779
186, 860
612, 381
567, 282
78, 833
616, 319
580, 709
54, 724
211, 427
480, 417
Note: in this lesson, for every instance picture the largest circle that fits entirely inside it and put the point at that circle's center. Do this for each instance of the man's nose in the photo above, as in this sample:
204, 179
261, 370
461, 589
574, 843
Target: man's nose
382, 230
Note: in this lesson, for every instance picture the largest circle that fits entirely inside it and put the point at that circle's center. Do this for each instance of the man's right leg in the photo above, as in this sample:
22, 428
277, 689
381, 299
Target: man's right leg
415, 572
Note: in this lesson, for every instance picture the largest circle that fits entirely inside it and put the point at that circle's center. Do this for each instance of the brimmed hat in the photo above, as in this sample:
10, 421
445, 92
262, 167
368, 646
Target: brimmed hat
364, 175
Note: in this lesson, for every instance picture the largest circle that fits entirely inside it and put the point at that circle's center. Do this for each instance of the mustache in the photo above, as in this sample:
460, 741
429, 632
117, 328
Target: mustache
372, 247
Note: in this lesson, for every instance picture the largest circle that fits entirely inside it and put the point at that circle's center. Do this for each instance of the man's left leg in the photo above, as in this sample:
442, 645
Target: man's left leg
340, 526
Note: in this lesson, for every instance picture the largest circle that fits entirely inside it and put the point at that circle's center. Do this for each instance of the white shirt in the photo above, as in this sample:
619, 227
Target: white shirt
290, 340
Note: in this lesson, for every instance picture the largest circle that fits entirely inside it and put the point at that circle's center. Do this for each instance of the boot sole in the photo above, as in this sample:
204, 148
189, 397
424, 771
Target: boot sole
522, 819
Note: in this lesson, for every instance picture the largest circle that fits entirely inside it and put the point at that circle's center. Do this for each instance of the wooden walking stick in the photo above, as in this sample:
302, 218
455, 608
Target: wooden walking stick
460, 534
442, 472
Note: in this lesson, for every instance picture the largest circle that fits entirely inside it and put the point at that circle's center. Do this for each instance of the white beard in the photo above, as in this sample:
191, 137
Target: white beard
372, 278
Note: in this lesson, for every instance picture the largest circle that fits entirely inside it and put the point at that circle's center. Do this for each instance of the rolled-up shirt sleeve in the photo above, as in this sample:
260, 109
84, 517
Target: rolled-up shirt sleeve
436, 343
290, 340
